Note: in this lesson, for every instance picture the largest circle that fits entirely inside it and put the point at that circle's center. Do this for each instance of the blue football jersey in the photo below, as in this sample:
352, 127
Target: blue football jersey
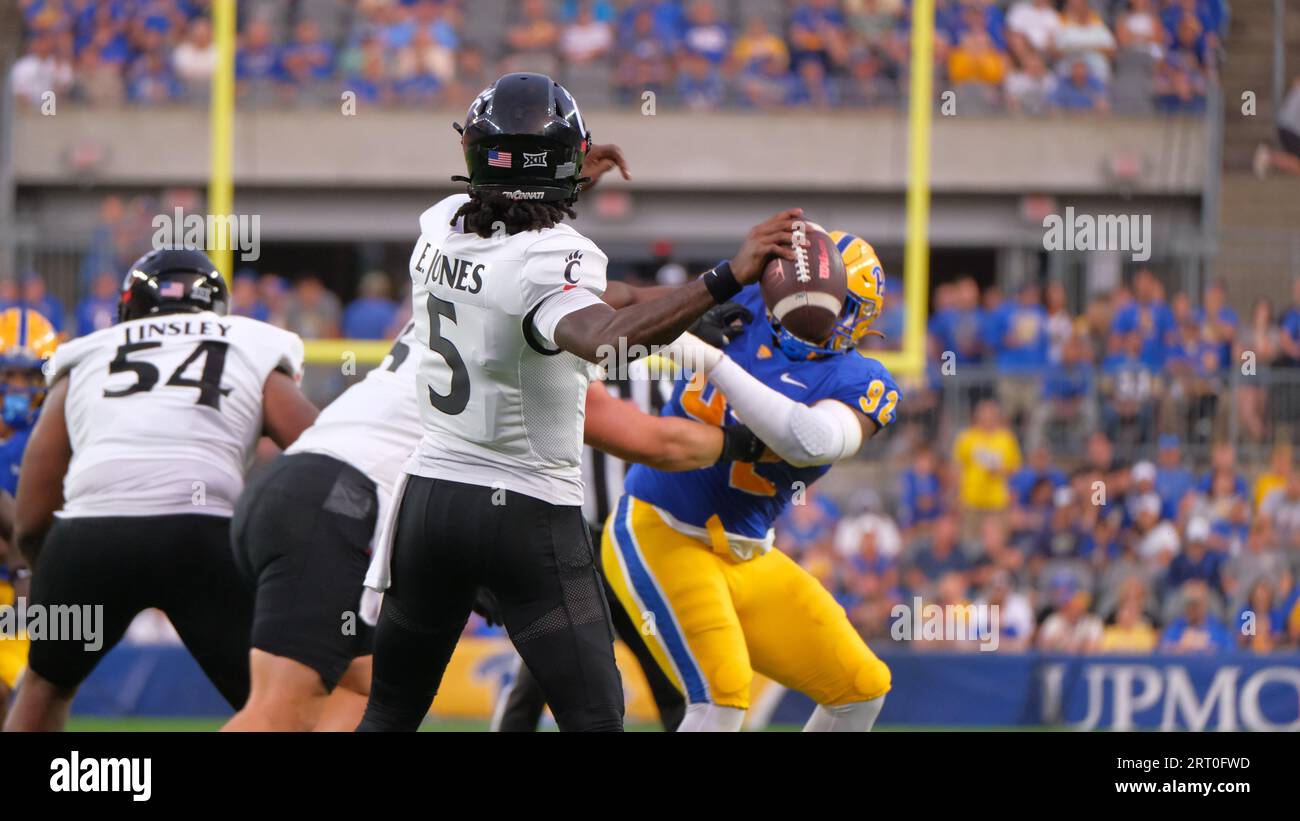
749, 497
11, 458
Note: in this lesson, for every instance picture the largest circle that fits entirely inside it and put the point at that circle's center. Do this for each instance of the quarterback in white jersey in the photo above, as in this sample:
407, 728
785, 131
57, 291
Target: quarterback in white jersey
132, 472
507, 305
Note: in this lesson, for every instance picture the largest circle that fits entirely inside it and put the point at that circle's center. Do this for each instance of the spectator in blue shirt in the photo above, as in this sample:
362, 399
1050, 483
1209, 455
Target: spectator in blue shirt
955, 19
41, 300
1067, 393
99, 309
921, 498
244, 298
1130, 387
373, 314
1017, 334
1223, 471
1261, 622
1173, 481
699, 83
811, 86
307, 58
603, 11
1080, 91
1196, 631
957, 325
817, 32
150, 80
669, 21
1197, 561
1289, 339
705, 35
1038, 468
1150, 316
258, 58
1217, 320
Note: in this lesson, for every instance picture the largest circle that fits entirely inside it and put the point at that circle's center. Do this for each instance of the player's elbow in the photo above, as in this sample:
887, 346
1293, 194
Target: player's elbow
820, 435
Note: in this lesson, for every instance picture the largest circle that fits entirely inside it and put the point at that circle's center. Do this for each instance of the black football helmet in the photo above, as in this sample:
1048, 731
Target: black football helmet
172, 281
524, 139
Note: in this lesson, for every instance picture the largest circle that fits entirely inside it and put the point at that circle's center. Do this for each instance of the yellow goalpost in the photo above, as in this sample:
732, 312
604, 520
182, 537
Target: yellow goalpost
908, 362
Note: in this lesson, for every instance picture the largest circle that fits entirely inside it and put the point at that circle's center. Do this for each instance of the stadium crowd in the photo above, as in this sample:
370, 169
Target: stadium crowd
1129, 542
1028, 56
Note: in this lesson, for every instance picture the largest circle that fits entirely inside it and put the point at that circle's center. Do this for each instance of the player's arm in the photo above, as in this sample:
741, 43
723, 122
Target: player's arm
10, 560
621, 295
803, 435
286, 412
40, 479
587, 331
667, 443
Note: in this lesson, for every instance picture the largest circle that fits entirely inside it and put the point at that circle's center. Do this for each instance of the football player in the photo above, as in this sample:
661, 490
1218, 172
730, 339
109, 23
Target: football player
521, 702
27, 339
507, 306
695, 550
309, 633
132, 473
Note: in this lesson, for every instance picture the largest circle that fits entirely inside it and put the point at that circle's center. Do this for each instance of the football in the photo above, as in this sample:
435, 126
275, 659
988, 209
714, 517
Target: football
805, 295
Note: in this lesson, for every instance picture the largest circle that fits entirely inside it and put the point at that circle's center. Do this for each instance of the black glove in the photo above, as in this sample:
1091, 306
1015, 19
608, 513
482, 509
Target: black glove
721, 323
739, 444
485, 604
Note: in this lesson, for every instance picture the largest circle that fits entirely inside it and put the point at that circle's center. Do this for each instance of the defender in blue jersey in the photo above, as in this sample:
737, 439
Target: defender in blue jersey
27, 339
690, 555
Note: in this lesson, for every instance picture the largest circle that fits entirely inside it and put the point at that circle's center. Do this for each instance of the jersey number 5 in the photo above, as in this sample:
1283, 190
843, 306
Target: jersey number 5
454, 402
208, 383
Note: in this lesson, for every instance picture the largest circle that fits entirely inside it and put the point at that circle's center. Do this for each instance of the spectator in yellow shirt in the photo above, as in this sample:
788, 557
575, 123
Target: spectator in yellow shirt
977, 60
1131, 632
986, 454
1279, 471
756, 46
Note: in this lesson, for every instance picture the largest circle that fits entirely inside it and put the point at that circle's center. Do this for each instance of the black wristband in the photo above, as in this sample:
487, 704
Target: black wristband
739, 444
721, 283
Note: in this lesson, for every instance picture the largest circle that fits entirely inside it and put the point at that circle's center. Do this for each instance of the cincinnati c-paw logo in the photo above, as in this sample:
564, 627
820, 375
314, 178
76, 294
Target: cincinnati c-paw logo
573, 266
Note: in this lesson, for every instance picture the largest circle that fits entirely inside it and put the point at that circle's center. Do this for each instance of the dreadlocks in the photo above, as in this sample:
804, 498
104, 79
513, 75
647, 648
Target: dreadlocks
486, 214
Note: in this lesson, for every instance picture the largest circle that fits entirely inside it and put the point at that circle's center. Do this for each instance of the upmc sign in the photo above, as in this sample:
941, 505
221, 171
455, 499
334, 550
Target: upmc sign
1233, 691
1173, 695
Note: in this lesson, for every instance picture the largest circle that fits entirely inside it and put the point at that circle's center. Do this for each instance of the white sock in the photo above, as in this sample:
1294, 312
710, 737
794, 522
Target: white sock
711, 718
858, 717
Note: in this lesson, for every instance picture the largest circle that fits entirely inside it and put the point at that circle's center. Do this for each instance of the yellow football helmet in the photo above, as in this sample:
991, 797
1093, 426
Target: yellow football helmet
26, 337
866, 291
27, 340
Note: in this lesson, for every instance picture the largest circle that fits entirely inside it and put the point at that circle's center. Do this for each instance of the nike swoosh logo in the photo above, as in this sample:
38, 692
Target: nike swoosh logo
789, 380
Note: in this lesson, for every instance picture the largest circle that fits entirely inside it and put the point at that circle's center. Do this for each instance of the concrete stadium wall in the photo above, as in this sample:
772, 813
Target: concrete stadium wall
701, 180
683, 152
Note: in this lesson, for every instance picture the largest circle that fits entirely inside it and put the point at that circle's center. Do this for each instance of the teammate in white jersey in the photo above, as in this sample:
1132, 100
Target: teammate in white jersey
507, 306
132, 472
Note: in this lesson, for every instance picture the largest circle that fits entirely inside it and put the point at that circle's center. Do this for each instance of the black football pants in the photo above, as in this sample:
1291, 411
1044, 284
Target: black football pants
537, 559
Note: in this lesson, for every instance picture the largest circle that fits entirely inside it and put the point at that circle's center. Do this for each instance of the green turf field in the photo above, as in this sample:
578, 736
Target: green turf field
201, 725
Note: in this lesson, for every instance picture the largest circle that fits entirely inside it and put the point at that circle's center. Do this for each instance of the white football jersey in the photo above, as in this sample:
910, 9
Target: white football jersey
164, 412
374, 425
500, 405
